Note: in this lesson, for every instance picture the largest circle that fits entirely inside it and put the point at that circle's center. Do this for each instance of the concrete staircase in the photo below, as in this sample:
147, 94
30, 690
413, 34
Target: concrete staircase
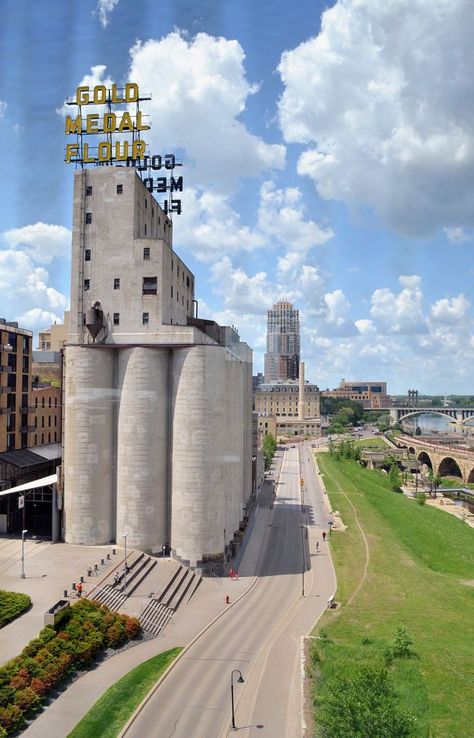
171, 592
182, 585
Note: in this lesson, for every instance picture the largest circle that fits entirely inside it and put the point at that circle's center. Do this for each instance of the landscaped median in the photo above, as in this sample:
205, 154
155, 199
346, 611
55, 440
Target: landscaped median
395, 659
80, 634
111, 711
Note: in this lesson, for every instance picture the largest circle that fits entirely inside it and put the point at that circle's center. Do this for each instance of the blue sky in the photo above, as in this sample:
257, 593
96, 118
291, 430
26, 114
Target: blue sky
328, 155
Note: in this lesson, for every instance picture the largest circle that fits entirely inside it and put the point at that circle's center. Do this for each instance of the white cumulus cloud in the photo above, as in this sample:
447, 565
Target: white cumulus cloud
400, 312
43, 242
456, 235
382, 99
199, 89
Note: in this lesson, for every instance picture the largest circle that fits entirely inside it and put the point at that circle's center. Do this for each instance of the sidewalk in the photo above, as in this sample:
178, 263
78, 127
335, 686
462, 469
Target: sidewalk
207, 604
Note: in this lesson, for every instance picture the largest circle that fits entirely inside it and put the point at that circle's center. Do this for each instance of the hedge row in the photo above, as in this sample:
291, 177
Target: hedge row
80, 633
12, 604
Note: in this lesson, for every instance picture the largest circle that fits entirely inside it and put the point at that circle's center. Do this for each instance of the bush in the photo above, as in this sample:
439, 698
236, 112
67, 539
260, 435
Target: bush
364, 706
45, 662
12, 604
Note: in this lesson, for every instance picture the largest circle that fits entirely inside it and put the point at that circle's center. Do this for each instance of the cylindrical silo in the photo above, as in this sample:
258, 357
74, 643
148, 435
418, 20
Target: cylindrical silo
142, 448
200, 428
88, 446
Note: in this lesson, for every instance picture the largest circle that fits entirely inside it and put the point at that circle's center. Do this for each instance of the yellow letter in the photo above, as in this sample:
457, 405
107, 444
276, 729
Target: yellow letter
131, 92
82, 96
110, 122
126, 123
138, 149
92, 123
100, 94
104, 152
72, 150
86, 158
139, 126
116, 98
121, 155
73, 126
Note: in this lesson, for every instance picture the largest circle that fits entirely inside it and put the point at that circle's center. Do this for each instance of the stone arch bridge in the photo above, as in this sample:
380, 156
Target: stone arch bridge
461, 414
443, 460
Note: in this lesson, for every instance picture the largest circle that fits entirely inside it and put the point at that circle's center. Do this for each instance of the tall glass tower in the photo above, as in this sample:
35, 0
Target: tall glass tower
283, 342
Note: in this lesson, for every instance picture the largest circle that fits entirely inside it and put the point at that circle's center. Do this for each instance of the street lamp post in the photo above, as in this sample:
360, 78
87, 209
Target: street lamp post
240, 680
124, 536
23, 534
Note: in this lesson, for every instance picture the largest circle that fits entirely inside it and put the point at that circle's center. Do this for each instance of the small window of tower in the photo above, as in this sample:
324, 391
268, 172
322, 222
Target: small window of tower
88, 218
119, 189
87, 255
146, 253
87, 284
145, 318
88, 189
116, 283
116, 318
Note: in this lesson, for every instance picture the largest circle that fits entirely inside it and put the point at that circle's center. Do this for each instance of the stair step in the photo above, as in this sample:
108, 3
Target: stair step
155, 617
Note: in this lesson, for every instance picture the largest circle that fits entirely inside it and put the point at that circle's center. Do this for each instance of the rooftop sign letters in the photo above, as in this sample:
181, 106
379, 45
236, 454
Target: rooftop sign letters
114, 127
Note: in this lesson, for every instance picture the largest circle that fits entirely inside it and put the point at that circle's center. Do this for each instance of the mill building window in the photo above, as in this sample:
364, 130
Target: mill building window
145, 318
119, 189
87, 284
145, 229
150, 285
87, 255
88, 218
146, 253
116, 283
89, 190
116, 318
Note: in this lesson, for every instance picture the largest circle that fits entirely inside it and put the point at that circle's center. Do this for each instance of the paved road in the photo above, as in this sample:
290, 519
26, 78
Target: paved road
260, 635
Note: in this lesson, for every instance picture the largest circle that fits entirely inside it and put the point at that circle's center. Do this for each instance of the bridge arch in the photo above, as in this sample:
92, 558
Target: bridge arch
470, 478
448, 413
448, 467
425, 459
411, 450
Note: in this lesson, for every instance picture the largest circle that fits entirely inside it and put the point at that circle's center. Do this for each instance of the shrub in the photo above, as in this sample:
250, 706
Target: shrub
364, 706
12, 604
27, 699
85, 629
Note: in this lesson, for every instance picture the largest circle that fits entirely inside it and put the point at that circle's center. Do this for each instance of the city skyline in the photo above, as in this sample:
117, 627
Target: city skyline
327, 157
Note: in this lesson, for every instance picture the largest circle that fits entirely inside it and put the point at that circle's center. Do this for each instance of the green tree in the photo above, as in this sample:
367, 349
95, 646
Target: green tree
395, 478
364, 706
268, 450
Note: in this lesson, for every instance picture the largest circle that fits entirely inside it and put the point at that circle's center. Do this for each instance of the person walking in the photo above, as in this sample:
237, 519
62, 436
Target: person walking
79, 589
317, 546
324, 535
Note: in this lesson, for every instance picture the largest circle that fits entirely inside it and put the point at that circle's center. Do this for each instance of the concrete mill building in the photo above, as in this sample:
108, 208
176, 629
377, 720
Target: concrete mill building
158, 408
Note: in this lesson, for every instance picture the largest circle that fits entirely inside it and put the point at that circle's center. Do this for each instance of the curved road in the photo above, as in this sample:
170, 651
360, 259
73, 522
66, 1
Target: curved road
260, 634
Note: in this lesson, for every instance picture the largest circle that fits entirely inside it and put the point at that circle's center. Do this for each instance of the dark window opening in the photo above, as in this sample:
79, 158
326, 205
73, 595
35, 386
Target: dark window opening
171, 290
146, 253
150, 285
145, 318
116, 283
119, 189
87, 255
89, 190
116, 318
87, 284
145, 229
88, 218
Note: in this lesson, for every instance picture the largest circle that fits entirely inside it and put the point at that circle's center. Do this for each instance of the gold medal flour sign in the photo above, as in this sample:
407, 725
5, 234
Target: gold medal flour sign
111, 134
107, 122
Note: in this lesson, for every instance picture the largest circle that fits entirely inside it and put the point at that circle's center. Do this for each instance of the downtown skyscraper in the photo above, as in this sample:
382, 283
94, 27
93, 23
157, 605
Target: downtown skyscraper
283, 342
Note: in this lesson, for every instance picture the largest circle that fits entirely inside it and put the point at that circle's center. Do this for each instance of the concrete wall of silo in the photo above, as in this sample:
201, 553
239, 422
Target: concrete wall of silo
88, 447
142, 443
200, 485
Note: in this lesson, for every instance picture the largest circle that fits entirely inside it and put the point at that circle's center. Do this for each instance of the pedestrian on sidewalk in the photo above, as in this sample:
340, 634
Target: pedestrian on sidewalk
317, 546
324, 535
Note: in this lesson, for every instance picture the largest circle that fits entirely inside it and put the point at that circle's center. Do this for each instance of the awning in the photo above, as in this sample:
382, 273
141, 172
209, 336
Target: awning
34, 484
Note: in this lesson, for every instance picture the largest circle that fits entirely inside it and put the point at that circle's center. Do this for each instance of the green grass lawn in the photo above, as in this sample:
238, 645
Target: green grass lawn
420, 576
111, 711
372, 442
